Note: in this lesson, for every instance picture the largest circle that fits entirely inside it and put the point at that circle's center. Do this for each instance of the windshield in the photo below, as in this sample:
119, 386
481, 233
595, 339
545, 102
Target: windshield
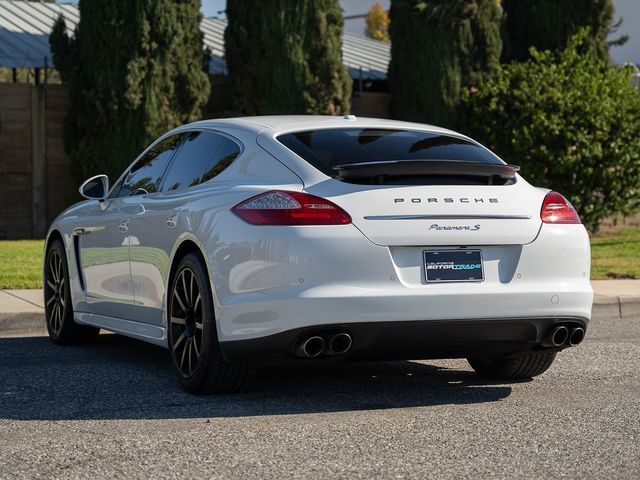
326, 149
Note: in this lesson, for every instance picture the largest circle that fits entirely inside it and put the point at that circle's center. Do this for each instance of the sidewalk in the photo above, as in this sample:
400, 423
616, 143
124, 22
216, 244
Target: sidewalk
23, 309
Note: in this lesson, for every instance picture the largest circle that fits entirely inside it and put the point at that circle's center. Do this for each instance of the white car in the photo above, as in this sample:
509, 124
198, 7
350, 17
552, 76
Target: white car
262, 240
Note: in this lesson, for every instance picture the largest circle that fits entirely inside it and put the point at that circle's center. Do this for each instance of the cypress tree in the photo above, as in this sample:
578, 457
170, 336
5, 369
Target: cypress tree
134, 70
439, 47
549, 25
285, 57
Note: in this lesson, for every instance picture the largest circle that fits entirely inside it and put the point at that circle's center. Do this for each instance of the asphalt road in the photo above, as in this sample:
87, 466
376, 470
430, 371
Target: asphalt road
113, 410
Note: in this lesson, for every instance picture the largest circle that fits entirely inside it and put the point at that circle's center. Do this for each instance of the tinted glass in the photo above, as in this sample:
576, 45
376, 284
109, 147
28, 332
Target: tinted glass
226, 153
145, 175
94, 189
325, 149
191, 161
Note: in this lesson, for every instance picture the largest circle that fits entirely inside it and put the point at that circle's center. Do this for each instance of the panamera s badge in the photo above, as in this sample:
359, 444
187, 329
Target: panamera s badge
470, 228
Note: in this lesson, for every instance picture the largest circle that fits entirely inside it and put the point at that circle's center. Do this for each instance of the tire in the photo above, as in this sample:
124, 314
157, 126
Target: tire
61, 327
193, 337
513, 368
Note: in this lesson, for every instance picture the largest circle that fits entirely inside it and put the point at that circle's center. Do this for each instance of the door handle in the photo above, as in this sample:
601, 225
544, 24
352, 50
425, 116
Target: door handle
172, 221
124, 226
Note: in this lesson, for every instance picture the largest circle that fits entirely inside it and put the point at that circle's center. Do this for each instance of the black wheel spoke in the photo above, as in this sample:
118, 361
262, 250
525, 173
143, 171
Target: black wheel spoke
55, 292
184, 351
196, 304
195, 347
186, 322
180, 302
191, 291
180, 339
52, 269
58, 263
56, 318
184, 289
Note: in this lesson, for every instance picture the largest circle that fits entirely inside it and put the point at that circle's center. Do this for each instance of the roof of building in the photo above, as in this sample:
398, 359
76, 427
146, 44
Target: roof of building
25, 28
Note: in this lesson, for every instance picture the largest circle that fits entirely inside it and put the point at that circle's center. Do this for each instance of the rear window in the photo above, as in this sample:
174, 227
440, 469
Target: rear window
326, 149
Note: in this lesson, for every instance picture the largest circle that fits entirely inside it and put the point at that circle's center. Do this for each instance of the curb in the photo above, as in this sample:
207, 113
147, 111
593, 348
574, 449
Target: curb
19, 322
622, 307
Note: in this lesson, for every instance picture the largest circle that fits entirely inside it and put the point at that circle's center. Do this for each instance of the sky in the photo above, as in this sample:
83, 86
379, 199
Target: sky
628, 9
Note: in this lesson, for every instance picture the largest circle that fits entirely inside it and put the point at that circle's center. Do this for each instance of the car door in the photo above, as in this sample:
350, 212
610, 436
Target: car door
166, 215
103, 245
105, 240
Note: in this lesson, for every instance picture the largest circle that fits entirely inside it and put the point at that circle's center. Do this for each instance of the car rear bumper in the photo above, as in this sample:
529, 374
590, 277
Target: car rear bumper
407, 340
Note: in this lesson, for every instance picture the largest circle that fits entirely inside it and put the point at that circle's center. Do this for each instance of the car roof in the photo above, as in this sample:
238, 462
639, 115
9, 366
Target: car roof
282, 123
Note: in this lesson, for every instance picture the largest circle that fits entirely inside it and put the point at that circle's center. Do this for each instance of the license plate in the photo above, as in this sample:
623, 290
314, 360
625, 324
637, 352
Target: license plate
453, 266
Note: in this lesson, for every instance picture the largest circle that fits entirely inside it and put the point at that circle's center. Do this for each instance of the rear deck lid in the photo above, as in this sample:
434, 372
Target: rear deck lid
411, 187
439, 215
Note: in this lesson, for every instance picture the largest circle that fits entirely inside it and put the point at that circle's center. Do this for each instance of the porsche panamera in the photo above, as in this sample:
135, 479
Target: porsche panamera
256, 241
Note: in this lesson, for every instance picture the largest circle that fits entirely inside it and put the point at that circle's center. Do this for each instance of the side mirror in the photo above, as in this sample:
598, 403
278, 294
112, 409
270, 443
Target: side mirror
96, 188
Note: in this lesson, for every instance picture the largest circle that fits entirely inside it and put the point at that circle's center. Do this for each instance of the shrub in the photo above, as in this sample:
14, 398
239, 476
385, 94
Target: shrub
572, 121
437, 48
134, 70
285, 57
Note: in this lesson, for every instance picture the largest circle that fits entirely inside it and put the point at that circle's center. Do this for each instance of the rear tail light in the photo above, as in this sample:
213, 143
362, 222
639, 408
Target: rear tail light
557, 209
290, 208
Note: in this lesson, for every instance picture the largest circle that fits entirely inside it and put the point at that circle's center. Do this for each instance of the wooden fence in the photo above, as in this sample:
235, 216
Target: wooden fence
35, 179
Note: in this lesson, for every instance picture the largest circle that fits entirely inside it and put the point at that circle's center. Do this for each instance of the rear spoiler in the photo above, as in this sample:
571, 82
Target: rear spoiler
408, 168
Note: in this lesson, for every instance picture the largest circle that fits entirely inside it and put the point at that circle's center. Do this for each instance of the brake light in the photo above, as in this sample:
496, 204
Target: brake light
557, 209
290, 208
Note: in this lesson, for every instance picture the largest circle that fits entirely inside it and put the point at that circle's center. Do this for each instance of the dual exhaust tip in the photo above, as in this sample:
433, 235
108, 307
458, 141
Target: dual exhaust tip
340, 343
561, 335
316, 345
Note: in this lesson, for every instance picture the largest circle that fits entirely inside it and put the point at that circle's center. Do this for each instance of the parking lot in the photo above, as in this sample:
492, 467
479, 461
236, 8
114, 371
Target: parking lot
113, 409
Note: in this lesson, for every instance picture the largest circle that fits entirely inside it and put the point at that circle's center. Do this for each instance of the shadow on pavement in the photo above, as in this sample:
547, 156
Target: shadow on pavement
120, 378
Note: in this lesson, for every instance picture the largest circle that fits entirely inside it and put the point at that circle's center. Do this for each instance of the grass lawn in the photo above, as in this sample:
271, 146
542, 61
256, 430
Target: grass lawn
614, 255
21, 263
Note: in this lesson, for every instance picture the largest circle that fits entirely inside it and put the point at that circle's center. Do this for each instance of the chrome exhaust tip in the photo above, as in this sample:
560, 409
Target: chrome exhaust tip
311, 347
576, 336
556, 337
340, 343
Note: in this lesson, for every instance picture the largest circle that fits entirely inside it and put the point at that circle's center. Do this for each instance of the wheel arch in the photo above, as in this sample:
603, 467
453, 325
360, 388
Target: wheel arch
52, 236
186, 245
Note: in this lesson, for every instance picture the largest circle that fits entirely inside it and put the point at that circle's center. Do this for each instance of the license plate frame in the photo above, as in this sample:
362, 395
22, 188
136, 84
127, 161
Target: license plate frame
469, 263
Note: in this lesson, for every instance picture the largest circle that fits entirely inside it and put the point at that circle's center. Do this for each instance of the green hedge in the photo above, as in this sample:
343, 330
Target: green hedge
572, 121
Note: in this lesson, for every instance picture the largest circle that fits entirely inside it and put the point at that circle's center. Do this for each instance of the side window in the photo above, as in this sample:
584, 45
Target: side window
191, 161
226, 153
115, 191
145, 175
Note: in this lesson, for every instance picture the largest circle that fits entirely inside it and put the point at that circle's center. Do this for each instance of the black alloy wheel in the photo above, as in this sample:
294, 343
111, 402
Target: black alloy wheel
192, 334
55, 293
58, 308
186, 322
